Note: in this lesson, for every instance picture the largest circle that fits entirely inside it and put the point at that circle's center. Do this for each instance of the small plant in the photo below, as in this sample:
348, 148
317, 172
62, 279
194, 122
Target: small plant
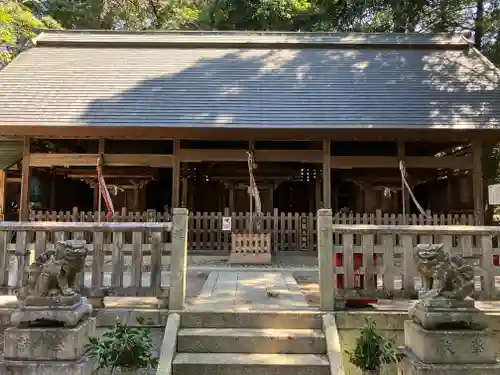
123, 347
372, 350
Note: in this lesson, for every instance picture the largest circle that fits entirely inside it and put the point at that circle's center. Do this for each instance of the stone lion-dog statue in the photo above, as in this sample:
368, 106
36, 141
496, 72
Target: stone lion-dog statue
54, 272
444, 275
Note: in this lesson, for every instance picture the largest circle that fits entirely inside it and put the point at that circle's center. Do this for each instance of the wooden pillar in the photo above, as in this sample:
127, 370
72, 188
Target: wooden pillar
327, 174
191, 195
3, 186
360, 204
271, 197
449, 187
52, 201
96, 197
176, 175
317, 192
136, 198
231, 197
184, 195
25, 182
405, 197
477, 182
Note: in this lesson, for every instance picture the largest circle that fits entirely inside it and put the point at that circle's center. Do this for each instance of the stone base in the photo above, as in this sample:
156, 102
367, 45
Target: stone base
435, 313
67, 311
81, 367
414, 366
250, 258
119, 371
452, 346
48, 344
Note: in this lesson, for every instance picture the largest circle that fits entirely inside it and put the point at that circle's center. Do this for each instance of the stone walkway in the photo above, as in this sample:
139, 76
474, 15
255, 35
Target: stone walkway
244, 290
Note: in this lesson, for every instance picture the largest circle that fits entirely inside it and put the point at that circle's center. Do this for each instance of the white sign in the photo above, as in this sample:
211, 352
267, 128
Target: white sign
494, 194
226, 223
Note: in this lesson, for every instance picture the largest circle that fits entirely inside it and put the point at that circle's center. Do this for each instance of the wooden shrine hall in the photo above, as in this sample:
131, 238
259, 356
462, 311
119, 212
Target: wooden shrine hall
329, 118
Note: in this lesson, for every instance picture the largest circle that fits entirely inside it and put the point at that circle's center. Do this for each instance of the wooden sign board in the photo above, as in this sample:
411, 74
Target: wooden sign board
494, 194
226, 223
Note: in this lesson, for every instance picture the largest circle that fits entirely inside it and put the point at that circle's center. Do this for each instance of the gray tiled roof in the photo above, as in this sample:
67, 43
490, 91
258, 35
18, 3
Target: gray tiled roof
257, 80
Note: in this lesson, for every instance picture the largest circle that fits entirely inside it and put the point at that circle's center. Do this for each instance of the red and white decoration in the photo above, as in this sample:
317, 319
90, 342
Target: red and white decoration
104, 189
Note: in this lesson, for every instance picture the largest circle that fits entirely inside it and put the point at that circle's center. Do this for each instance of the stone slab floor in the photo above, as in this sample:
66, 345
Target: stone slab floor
250, 290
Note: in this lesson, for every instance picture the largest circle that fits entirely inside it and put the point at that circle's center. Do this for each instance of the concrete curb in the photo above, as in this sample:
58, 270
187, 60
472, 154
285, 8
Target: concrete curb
169, 344
333, 347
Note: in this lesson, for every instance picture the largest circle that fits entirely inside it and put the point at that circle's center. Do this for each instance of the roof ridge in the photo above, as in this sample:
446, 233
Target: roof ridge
248, 39
228, 32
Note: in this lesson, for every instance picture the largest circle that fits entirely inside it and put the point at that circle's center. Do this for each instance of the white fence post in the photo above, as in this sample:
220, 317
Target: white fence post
178, 259
325, 260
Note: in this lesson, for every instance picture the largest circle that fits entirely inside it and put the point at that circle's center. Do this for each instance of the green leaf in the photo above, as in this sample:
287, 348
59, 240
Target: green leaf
123, 347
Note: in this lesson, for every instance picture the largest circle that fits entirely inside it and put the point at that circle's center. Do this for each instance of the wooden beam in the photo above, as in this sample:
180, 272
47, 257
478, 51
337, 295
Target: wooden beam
143, 160
25, 182
110, 160
52, 160
441, 162
222, 133
305, 156
302, 156
257, 178
176, 175
107, 170
477, 182
445, 162
327, 174
110, 175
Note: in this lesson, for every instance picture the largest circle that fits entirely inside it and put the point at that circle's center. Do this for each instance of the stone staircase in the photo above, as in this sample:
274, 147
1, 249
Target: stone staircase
244, 343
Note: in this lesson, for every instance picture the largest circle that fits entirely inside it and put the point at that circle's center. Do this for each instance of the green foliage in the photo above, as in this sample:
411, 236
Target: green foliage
84, 14
17, 28
123, 347
372, 350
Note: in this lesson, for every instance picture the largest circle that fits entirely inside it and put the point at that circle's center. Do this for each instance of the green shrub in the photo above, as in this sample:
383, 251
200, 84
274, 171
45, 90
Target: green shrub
123, 347
372, 350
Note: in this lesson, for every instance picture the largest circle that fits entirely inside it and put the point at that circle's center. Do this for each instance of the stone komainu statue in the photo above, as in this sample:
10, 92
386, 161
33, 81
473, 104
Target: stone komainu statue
54, 272
445, 275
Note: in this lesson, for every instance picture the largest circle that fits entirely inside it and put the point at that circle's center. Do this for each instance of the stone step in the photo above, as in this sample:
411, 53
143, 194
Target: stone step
250, 364
241, 340
252, 319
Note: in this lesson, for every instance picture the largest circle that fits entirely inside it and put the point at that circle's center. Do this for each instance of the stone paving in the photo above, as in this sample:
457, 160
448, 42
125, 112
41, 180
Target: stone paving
246, 290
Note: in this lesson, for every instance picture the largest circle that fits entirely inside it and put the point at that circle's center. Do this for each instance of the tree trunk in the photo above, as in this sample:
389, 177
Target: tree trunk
398, 16
479, 26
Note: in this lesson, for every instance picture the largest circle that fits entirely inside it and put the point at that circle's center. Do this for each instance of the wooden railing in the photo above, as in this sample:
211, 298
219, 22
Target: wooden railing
379, 259
143, 243
288, 231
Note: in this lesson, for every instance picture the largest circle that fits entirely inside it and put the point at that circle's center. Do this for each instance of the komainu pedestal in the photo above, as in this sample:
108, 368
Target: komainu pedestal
52, 323
447, 335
